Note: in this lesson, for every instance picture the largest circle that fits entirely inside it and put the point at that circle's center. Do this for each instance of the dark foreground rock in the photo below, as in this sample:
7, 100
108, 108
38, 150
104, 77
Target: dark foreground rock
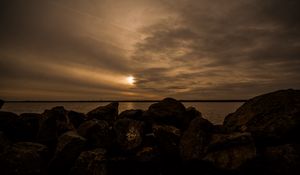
7, 122
108, 113
90, 163
1, 103
230, 151
76, 118
27, 127
97, 133
168, 111
53, 123
260, 138
272, 117
24, 158
168, 139
129, 133
69, 146
194, 142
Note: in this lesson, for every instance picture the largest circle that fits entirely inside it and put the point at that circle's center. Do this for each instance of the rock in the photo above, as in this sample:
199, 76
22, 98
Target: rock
4, 142
148, 154
230, 151
1, 103
53, 123
286, 159
24, 158
189, 115
168, 139
76, 118
194, 141
168, 111
108, 113
129, 133
135, 114
97, 133
271, 118
7, 122
69, 147
89, 162
27, 127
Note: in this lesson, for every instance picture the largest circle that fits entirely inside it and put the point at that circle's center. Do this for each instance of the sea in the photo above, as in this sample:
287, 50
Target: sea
213, 111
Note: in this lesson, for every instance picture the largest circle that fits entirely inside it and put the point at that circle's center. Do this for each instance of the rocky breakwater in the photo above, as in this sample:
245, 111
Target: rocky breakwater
168, 138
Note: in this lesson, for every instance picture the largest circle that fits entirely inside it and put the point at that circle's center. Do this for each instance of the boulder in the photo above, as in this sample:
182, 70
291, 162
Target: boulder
27, 127
7, 122
194, 141
271, 118
108, 113
148, 154
129, 133
53, 123
168, 111
4, 142
90, 162
24, 158
1, 103
69, 147
97, 133
168, 139
286, 159
189, 115
76, 118
135, 114
230, 151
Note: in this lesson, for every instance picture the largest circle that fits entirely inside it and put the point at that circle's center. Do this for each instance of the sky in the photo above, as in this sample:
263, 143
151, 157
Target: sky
147, 49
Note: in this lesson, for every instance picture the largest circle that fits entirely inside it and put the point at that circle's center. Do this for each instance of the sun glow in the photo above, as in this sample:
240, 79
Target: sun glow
130, 80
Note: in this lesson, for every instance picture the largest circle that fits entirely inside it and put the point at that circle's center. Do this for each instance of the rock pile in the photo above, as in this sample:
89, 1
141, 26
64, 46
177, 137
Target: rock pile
259, 138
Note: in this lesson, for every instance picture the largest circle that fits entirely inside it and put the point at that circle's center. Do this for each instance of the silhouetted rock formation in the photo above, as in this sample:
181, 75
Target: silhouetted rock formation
272, 117
1, 103
259, 138
108, 113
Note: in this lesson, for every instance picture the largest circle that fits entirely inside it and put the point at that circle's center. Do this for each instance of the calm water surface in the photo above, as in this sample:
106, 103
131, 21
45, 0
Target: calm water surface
213, 111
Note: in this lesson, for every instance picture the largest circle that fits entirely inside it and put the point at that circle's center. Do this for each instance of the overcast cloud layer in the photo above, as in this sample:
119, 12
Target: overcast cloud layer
187, 49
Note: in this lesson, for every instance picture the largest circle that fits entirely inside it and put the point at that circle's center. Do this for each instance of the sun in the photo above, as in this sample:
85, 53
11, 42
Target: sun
130, 80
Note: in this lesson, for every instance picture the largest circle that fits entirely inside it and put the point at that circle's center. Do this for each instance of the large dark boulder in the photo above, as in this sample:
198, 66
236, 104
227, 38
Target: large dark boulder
69, 146
108, 113
27, 127
230, 151
168, 111
4, 142
7, 122
97, 133
282, 159
168, 138
135, 114
129, 133
76, 118
1, 103
24, 158
53, 123
271, 118
90, 162
190, 114
194, 141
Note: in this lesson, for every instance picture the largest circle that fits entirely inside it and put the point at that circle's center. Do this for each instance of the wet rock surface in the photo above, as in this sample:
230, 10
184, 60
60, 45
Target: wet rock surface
261, 137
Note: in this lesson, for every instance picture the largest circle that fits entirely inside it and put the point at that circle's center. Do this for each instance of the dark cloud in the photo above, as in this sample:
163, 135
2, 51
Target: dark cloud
245, 47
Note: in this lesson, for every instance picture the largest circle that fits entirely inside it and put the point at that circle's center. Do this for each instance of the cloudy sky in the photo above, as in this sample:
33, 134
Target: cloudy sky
147, 49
